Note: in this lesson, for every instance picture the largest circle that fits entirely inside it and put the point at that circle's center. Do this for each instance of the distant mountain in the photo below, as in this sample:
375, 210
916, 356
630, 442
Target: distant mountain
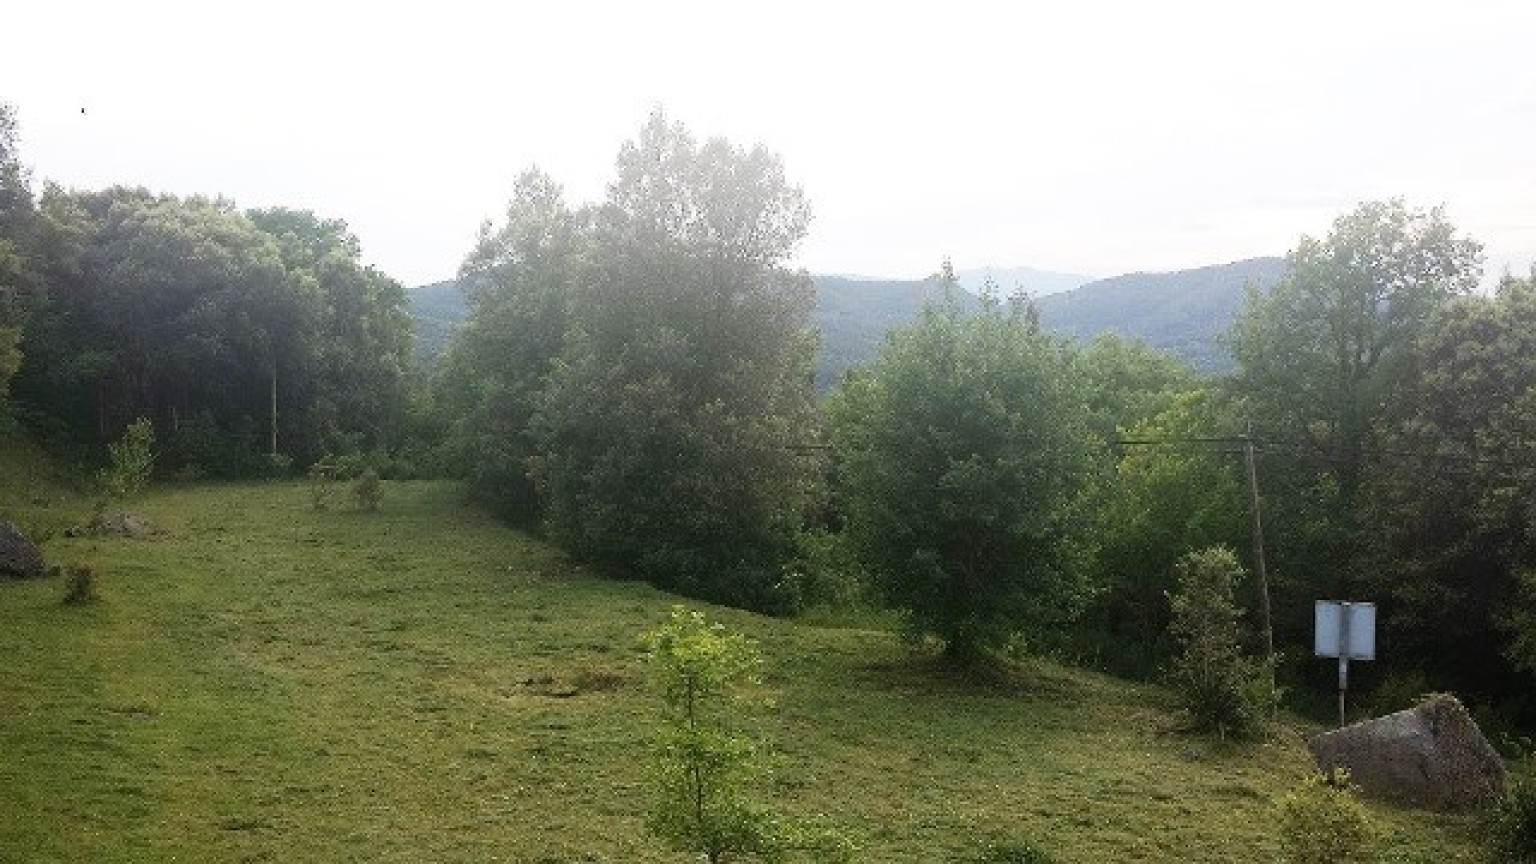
438, 311
1185, 312
1014, 280
853, 316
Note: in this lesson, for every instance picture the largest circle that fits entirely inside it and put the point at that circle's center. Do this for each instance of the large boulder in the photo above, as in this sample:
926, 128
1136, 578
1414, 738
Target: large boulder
1430, 756
19, 557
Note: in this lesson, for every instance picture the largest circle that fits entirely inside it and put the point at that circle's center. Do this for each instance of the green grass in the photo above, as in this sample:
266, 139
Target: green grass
263, 682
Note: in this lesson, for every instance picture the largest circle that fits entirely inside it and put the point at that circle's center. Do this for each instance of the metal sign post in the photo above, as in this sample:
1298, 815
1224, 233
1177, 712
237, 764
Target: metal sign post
1346, 631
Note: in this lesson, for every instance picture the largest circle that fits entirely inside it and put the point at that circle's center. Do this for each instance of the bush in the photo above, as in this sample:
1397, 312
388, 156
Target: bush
79, 586
133, 459
1323, 822
322, 483
368, 490
1511, 834
1221, 688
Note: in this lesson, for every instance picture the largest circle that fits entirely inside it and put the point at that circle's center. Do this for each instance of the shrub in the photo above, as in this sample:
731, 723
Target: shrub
1221, 688
133, 459
322, 483
1323, 822
368, 490
79, 586
1511, 834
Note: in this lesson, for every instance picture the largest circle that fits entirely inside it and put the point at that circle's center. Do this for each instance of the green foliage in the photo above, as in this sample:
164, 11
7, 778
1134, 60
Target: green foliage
517, 280
1511, 831
672, 433
322, 483
705, 760
1322, 821
133, 460
368, 490
964, 458
80, 585
1222, 689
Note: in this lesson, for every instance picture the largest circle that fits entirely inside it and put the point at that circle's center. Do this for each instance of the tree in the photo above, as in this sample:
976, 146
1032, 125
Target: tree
1452, 536
1322, 355
671, 436
518, 281
705, 759
16, 226
360, 337
964, 457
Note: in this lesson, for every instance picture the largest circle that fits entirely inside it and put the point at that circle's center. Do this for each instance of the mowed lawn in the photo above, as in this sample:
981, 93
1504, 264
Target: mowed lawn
264, 682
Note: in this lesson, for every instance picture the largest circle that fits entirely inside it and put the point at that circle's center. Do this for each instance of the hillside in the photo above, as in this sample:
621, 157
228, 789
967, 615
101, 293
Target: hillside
437, 310
1185, 312
265, 682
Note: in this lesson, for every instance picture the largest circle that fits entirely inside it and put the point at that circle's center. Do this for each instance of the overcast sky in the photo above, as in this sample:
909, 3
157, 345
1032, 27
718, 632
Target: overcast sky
1089, 137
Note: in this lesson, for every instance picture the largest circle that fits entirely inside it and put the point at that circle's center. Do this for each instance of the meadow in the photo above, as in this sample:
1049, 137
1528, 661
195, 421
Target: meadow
261, 681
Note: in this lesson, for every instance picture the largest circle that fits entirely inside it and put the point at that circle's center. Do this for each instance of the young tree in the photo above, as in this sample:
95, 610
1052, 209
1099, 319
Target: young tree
705, 759
671, 435
964, 456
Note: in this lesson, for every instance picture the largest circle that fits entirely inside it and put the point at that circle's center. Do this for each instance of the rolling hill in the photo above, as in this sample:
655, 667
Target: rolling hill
1185, 312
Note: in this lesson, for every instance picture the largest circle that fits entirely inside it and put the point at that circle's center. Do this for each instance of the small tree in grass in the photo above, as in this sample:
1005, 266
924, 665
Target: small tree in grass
1222, 688
133, 458
705, 758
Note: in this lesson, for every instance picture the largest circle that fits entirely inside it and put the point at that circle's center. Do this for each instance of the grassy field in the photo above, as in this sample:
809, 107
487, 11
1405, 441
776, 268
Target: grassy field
264, 682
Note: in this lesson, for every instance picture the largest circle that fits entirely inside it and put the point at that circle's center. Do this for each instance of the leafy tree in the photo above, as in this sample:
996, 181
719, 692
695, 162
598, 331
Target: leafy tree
16, 225
1453, 526
965, 454
356, 369
1160, 501
670, 435
133, 460
518, 280
1323, 354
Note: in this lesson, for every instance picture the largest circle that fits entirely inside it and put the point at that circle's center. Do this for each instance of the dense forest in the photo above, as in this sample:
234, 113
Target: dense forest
636, 379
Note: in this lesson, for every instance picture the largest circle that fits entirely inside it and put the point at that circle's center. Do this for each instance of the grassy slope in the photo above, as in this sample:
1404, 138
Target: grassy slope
265, 682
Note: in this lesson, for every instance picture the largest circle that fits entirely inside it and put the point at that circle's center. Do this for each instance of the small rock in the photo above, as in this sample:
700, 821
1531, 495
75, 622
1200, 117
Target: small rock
1430, 756
19, 557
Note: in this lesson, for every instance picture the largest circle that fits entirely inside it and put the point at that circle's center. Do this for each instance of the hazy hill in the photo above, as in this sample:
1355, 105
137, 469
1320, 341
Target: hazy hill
1185, 312
1014, 280
437, 310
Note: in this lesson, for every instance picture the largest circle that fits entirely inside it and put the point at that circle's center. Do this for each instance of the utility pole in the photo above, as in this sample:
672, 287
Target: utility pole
1258, 542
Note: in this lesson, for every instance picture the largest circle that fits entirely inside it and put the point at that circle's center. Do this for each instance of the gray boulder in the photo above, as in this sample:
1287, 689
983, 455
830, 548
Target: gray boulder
19, 557
1430, 756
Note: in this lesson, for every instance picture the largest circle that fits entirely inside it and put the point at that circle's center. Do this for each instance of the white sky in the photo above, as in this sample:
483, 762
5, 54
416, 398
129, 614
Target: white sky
1082, 136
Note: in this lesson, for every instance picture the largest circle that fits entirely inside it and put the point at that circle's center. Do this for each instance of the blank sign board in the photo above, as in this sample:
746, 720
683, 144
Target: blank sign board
1345, 630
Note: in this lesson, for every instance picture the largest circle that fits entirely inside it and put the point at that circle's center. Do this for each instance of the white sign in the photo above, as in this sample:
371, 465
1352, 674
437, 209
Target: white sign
1345, 630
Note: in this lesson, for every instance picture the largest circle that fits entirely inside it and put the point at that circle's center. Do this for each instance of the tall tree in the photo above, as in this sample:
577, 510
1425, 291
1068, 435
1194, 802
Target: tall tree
360, 332
518, 281
965, 457
1322, 355
1453, 525
670, 434
16, 226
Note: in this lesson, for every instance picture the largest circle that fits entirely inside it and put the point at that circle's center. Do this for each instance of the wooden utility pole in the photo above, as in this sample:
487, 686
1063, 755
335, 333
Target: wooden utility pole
1258, 543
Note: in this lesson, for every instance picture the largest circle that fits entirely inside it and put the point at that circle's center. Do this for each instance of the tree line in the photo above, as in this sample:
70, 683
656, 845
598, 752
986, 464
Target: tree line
635, 380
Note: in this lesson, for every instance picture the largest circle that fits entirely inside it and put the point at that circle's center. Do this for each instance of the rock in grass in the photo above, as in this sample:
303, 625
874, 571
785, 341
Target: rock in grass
1430, 756
19, 557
